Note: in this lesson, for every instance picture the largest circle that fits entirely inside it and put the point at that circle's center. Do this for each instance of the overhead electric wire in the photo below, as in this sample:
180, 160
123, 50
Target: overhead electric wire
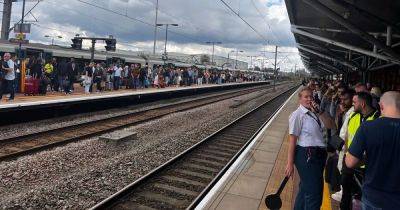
247, 23
266, 21
136, 19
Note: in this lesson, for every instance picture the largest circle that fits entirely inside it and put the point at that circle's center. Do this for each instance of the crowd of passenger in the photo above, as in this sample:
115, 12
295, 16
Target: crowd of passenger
63, 75
352, 132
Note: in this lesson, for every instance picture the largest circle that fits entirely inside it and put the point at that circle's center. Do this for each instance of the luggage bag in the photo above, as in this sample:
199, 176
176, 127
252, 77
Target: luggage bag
31, 86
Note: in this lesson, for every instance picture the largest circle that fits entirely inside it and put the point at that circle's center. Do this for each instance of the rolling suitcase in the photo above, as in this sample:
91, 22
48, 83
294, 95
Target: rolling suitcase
31, 86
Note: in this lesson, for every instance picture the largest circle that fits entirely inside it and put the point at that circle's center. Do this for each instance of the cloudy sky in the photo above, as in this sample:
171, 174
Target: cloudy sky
131, 22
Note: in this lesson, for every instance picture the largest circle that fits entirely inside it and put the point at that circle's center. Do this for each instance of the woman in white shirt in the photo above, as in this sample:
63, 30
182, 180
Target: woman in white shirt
307, 150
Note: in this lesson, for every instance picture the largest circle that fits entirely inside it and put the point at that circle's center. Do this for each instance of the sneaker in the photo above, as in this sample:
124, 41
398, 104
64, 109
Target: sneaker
337, 196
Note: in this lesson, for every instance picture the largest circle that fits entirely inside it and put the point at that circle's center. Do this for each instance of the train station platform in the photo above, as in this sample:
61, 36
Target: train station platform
35, 107
259, 170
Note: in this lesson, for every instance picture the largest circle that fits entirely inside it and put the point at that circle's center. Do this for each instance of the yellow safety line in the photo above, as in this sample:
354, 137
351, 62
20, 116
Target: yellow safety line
326, 200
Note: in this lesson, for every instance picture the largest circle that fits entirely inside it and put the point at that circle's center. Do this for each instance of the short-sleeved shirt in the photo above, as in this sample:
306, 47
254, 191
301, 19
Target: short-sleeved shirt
307, 127
10, 75
380, 140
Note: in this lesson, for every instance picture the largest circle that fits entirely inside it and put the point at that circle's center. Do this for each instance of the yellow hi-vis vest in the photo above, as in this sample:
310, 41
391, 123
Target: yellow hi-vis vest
355, 122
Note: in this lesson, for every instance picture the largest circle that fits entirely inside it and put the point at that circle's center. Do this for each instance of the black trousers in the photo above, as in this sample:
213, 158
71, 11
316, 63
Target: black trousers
7, 86
350, 186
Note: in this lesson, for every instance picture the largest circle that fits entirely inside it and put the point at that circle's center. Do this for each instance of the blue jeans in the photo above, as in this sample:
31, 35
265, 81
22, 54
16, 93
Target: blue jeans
367, 205
117, 82
135, 83
310, 165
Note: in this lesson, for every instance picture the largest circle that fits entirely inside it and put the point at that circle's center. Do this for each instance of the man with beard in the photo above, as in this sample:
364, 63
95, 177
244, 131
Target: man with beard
363, 111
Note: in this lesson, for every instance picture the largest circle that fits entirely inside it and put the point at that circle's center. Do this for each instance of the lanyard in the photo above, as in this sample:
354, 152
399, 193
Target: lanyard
316, 119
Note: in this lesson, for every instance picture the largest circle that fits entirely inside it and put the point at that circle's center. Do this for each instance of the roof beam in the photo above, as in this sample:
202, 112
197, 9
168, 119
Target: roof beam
350, 26
337, 70
364, 13
346, 63
381, 34
347, 46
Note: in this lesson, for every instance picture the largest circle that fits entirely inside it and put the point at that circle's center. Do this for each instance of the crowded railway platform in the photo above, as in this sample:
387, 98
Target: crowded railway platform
311, 122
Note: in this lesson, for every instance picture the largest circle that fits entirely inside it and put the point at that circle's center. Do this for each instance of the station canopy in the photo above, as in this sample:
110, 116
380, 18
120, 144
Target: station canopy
340, 36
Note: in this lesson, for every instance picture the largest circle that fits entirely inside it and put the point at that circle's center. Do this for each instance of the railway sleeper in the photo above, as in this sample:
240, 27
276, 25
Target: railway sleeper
190, 193
200, 169
184, 181
157, 198
189, 175
206, 162
128, 205
216, 147
217, 154
212, 157
194, 173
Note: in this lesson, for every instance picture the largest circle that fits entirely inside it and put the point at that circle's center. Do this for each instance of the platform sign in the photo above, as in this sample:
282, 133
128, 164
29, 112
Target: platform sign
22, 41
22, 28
20, 36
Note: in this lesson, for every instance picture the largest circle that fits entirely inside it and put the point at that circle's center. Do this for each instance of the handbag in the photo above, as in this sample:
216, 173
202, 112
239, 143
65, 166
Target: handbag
336, 142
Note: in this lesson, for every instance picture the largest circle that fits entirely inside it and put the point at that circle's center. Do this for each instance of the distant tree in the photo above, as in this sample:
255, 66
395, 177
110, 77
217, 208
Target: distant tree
205, 59
256, 68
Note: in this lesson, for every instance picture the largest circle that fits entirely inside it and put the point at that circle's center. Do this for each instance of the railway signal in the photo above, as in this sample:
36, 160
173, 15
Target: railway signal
77, 43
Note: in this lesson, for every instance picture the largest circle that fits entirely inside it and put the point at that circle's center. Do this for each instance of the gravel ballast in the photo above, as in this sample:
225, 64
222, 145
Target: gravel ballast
80, 174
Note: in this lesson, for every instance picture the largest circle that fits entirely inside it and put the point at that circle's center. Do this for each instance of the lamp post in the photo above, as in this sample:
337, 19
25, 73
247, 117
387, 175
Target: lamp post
228, 61
251, 59
166, 36
213, 44
237, 51
52, 38
155, 30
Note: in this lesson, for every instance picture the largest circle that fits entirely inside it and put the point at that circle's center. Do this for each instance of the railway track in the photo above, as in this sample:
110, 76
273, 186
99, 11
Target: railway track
22, 145
183, 181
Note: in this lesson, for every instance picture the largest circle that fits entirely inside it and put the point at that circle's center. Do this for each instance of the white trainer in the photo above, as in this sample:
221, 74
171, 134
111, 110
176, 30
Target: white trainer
337, 196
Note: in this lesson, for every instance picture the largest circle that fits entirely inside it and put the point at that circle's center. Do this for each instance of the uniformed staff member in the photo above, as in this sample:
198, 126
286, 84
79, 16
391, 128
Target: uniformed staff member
379, 140
307, 150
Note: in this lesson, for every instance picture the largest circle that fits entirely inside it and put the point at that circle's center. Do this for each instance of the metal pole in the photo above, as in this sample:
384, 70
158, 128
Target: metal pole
237, 51
276, 53
52, 41
5, 25
212, 57
92, 50
22, 22
166, 38
155, 30
389, 36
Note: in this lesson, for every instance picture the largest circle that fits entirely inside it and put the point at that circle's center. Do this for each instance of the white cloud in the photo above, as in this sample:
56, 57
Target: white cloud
199, 21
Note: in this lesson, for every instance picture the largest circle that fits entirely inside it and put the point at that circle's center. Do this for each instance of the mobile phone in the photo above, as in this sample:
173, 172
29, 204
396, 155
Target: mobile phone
316, 109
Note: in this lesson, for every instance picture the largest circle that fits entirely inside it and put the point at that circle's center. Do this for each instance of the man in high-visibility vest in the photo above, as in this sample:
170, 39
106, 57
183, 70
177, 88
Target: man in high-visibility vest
363, 111
379, 142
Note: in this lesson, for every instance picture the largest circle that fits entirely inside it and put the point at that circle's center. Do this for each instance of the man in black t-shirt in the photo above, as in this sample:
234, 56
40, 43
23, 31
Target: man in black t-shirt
379, 140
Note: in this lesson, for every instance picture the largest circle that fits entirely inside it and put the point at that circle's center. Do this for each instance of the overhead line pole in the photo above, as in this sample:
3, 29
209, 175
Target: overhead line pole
20, 28
276, 53
155, 30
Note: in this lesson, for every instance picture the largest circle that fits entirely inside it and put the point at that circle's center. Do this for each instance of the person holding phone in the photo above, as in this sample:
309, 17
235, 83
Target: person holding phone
307, 150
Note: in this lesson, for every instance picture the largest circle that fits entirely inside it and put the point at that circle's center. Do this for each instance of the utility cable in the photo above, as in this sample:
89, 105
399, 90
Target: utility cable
136, 19
247, 23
